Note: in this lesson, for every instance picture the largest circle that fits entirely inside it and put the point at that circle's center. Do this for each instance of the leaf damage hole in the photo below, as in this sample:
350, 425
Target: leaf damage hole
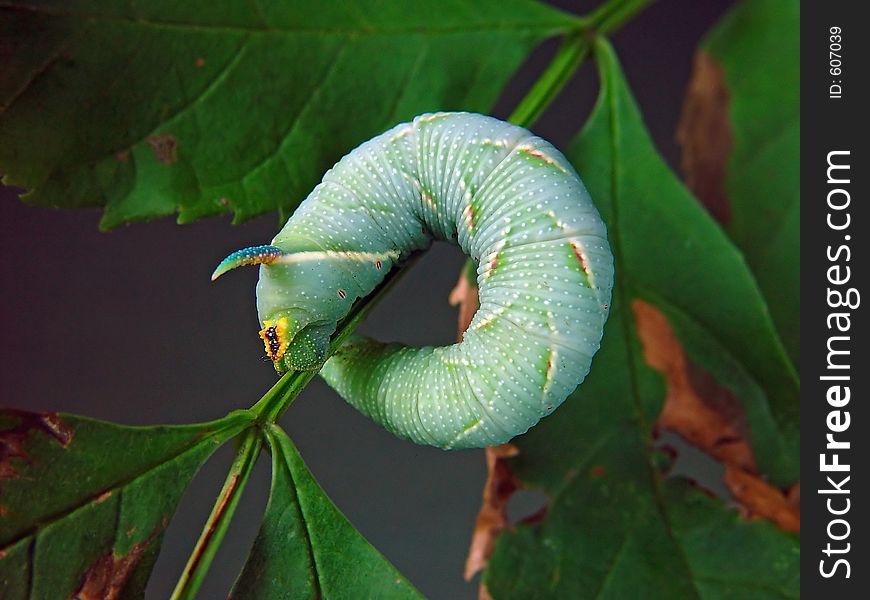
527, 507
492, 517
108, 576
688, 462
704, 413
702, 423
164, 147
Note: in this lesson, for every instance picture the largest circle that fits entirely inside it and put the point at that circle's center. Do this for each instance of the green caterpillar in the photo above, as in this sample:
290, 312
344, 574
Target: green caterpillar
515, 205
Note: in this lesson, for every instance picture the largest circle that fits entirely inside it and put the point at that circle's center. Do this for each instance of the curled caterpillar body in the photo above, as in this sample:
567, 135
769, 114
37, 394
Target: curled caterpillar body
514, 204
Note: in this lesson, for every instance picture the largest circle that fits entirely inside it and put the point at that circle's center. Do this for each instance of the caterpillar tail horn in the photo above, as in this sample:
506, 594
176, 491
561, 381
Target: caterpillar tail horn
255, 255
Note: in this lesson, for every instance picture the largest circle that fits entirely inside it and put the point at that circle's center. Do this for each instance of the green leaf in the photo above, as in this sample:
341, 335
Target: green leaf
231, 106
670, 253
218, 522
689, 546
84, 504
306, 548
741, 136
615, 527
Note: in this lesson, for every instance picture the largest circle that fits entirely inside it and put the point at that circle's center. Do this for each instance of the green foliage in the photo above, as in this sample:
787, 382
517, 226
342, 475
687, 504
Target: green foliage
678, 544
615, 528
758, 46
212, 107
85, 503
670, 253
306, 548
204, 108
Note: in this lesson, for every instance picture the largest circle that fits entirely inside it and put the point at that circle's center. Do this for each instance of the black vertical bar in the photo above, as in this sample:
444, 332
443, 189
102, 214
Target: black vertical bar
835, 112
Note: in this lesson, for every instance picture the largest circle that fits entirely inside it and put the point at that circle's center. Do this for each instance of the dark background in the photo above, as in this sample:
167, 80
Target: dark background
125, 326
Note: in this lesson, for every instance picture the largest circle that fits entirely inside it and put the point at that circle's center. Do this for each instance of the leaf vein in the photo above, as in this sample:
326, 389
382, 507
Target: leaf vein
294, 123
84, 503
560, 25
218, 79
42, 70
277, 446
409, 76
613, 123
611, 567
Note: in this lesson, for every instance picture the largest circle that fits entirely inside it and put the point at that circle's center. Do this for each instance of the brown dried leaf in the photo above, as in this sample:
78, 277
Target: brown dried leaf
12, 439
705, 414
164, 147
759, 499
483, 593
704, 132
465, 296
708, 416
794, 496
107, 577
492, 518
500, 481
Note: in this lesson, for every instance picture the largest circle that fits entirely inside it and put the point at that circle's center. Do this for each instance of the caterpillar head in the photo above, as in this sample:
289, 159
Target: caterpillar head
304, 351
291, 341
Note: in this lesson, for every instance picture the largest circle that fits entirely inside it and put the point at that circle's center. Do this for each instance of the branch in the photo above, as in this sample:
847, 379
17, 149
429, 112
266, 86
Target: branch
219, 520
574, 49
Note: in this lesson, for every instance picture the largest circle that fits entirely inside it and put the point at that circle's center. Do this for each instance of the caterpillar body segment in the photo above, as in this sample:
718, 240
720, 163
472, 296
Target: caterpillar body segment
514, 204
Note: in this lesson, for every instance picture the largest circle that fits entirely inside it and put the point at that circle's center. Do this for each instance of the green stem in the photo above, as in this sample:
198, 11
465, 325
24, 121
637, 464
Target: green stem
219, 520
574, 49
610, 16
281, 395
266, 411
560, 70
